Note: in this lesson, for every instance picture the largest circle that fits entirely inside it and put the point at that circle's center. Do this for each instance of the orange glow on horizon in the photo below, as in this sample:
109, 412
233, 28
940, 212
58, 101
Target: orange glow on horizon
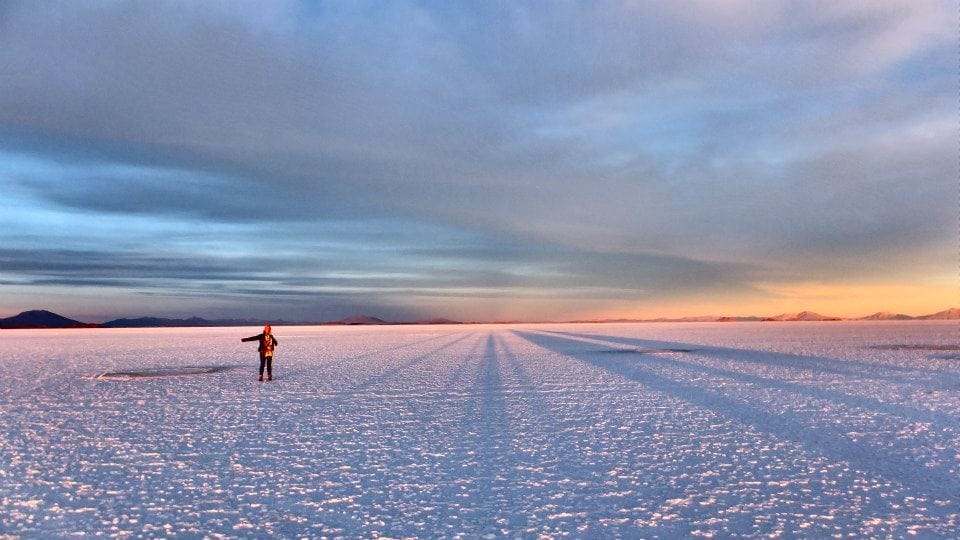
836, 300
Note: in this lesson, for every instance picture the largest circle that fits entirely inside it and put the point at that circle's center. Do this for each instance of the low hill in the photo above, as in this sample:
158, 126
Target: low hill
698, 318
359, 319
886, 316
40, 318
437, 321
802, 316
946, 315
159, 322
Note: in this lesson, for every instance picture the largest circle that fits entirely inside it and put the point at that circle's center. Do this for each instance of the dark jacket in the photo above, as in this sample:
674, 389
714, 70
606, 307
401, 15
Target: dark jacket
262, 338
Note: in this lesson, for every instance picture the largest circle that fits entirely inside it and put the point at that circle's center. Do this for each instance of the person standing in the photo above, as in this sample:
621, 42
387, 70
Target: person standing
267, 344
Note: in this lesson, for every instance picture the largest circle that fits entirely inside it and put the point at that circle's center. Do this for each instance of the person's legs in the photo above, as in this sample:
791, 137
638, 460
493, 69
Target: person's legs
270, 368
263, 361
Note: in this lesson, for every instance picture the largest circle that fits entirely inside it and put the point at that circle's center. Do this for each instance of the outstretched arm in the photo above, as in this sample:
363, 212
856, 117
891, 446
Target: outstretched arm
251, 338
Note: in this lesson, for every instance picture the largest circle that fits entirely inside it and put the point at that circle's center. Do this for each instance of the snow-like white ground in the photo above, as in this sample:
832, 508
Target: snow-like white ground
648, 430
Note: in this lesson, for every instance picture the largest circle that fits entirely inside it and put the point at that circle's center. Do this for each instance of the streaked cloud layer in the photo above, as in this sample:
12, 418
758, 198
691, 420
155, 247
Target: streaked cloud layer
476, 160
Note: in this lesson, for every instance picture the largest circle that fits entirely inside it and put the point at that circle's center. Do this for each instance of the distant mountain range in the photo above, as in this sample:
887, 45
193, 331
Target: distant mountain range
949, 314
46, 319
157, 322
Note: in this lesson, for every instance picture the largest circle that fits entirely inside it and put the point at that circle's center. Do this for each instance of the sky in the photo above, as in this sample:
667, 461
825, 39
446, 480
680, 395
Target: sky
478, 160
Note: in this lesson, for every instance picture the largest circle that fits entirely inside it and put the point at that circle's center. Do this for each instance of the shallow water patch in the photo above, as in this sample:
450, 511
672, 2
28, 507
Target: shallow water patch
644, 351
155, 373
915, 347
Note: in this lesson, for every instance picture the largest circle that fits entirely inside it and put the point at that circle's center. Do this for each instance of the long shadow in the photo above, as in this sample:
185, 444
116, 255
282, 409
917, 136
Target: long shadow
390, 373
906, 412
786, 360
365, 384
461, 370
488, 459
373, 353
563, 449
925, 480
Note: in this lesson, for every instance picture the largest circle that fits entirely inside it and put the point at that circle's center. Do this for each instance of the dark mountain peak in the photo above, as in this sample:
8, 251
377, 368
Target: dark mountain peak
41, 318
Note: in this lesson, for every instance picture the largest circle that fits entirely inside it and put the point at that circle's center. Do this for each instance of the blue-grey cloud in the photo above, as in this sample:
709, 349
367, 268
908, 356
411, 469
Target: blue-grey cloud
611, 146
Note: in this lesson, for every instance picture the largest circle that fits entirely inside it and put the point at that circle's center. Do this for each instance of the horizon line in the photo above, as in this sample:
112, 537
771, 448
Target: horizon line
368, 320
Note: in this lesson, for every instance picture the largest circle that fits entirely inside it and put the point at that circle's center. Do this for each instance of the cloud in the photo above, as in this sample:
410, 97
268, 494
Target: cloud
619, 145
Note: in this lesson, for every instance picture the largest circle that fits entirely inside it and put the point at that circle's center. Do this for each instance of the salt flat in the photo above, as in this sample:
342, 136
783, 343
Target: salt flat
652, 430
